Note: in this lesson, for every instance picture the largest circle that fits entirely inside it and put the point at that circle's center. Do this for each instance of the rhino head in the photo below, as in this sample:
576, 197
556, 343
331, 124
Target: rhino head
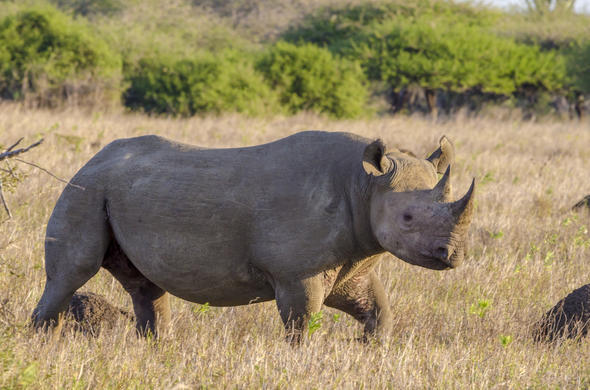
412, 214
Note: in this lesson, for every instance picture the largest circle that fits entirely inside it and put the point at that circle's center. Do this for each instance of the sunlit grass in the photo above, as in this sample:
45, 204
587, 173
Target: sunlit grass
465, 328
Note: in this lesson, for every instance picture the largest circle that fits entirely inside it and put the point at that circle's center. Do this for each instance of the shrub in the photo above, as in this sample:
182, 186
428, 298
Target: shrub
204, 83
339, 28
90, 8
174, 29
311, 78
435, 45
578, 57
47, 56
457, 58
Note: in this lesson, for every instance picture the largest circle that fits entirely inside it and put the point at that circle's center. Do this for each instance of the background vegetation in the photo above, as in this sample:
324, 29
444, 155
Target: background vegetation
267, 56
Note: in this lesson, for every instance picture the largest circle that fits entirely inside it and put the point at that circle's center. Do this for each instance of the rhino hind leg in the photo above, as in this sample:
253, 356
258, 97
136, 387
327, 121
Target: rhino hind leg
363, 297
150, 302
74, 249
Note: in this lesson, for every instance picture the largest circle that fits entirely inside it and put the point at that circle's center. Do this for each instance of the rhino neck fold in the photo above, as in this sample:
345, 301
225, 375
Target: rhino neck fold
364, 241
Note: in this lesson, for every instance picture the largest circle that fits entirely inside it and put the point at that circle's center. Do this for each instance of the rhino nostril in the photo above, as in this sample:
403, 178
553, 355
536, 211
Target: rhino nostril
442, 252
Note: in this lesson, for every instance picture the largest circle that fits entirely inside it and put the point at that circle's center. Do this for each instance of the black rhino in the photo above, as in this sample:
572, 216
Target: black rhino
299, 220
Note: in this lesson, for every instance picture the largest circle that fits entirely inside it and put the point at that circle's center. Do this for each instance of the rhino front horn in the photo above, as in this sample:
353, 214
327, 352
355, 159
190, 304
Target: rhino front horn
462, 209
442, 191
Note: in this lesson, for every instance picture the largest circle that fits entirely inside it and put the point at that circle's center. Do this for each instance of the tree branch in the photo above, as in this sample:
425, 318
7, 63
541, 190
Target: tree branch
4, 202
16, 143
11, 153
50, 174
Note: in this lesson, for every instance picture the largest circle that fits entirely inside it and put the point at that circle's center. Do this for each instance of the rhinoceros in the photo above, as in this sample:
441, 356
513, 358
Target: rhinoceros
299, 220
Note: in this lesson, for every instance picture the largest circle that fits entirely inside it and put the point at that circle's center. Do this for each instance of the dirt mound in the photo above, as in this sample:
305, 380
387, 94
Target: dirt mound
89, 312
569, 318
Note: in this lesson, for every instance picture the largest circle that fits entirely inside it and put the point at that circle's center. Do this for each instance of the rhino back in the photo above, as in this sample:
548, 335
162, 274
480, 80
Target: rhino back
217, 224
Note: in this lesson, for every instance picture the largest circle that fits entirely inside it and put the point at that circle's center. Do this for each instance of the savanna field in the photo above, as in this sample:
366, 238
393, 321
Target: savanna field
469, 327
510, 88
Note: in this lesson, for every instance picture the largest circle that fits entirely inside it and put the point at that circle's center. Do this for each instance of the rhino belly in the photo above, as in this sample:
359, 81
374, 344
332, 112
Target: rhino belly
221, 292
223, 287
220, 275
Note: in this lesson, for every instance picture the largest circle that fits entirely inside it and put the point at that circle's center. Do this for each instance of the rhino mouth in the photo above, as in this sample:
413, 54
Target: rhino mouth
436, 264
427, 260
430, 262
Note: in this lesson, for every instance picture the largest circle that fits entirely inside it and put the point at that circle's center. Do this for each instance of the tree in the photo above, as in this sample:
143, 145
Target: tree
550, 7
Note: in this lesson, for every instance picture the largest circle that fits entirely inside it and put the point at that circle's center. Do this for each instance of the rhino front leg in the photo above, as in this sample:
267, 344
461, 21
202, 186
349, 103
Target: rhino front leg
363, 297
297, 301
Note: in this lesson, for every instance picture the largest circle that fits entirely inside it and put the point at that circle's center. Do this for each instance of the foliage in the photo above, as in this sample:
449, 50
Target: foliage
90, 8
505, 340
458, 58
46, 54
151, 28
480, 308
203, 83
311, 78
330, 55
553, 30
315, 322
543, 7
338, 28
579, 66
434, 47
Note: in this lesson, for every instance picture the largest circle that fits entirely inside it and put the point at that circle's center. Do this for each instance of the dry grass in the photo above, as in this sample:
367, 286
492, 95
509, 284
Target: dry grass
527, 250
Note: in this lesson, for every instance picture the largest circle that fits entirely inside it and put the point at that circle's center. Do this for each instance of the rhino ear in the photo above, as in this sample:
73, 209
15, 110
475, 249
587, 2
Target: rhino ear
442, 157
375, 162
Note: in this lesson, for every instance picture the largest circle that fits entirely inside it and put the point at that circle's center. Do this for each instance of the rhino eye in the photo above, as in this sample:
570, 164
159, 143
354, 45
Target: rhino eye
407, 217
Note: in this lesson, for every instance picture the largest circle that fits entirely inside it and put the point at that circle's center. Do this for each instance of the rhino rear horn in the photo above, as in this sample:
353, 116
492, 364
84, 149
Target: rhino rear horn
462, 209
375, 162
442, 191
444, 156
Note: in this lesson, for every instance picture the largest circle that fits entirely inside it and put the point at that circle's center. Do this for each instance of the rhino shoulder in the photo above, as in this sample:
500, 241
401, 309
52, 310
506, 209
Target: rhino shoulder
144, 142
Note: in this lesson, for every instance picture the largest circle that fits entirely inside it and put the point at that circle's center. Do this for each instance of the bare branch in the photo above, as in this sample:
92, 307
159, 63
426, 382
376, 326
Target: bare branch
4, 202
50, 174
11, 153
10, 170
16, 143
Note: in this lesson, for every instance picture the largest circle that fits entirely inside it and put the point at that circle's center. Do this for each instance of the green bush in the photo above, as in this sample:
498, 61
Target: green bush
436, 45
153, 28
578, 57
47, 56
311, 78
339, 28
457, 58
202, 84
90, 8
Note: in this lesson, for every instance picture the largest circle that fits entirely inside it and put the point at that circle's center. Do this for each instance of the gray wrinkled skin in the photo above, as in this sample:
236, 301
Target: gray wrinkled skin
299, 220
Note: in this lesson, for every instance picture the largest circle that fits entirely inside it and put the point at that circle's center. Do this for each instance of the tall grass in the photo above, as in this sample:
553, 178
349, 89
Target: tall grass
464, 328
